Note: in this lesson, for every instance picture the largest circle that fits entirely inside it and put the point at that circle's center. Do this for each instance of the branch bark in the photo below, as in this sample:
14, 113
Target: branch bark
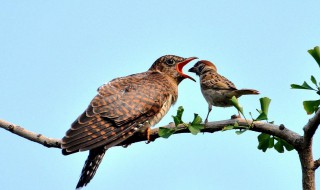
303, 144
308, 168
32, 136
308, 165
279, 131
310, 129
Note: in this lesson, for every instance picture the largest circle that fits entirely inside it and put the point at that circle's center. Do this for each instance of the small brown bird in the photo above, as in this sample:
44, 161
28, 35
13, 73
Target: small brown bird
216, 89
121, 108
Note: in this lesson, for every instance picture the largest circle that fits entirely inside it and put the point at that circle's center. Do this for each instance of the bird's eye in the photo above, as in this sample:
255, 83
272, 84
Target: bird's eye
200, 68
170, 62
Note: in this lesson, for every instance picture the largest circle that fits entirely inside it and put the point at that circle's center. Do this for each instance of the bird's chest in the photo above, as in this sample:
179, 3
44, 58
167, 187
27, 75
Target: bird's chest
158, 116
220, 98
163, 111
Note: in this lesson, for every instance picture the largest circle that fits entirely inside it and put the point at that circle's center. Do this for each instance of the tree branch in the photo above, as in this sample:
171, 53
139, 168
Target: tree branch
35, 137
310, 129
308, 165
211, 127
279, 131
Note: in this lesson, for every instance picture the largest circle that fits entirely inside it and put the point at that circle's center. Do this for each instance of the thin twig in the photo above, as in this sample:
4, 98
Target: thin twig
32, 136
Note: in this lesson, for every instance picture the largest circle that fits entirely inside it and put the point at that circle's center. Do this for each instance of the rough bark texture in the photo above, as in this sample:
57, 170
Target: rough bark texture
302, 144
279, 131
307, 166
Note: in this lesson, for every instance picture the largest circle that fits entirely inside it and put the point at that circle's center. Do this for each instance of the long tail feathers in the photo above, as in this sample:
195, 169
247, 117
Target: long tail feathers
91, 165
247, 91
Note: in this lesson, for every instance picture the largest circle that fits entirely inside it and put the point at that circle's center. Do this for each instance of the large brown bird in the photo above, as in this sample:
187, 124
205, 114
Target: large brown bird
216, 89
121, 108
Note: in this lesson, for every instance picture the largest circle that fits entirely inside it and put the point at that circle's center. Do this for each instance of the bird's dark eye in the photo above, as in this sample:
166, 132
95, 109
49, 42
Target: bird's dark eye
200, 68
170, 62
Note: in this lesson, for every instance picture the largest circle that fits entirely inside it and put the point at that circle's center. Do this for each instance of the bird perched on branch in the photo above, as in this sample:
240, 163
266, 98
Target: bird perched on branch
123, 107
216, 89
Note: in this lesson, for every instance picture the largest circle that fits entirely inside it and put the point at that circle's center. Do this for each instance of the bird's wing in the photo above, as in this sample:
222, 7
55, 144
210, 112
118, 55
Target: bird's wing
116, 111
217, 82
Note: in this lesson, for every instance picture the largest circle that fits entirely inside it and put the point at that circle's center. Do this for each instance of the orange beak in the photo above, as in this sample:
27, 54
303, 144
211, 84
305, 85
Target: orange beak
180, 66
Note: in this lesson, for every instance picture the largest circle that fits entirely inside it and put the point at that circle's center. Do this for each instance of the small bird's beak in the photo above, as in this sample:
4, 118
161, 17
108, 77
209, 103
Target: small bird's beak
180, 66
193, 70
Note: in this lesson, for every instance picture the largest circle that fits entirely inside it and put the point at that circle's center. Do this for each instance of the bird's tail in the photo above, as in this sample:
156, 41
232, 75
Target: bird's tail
91, 165
247, 92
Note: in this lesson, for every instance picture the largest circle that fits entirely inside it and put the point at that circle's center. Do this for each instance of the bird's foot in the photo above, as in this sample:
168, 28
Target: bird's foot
205, 123
148, 131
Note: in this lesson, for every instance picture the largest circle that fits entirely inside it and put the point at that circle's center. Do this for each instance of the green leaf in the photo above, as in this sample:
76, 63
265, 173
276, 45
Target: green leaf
311, 106
196, 120
264, 142
314, 81
180, 112
165, 132
228, 127
265, 102
194, 129
303, 86
263, 145
176, 120
235, 103
263, 137
315, 53
296, 86
271, 142
279, 146
306, 85
198, 126
236, 124
240, 132
262, 116
288, 146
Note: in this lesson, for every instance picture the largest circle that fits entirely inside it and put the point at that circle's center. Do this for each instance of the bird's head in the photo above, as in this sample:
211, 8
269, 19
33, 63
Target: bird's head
203, 66
172, 65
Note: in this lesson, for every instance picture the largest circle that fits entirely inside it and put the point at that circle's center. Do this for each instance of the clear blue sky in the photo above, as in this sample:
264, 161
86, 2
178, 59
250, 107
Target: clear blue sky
54, 55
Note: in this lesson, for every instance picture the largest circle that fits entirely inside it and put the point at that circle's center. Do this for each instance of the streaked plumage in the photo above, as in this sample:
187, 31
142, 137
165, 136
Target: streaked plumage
216, 89
123, 107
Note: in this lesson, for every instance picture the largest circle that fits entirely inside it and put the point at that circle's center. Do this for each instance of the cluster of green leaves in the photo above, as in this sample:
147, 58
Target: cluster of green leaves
263, 114
267, 141
311, 106
194, 127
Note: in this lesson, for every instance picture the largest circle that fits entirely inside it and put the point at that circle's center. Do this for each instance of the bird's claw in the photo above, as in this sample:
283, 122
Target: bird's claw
205, 123
148, 131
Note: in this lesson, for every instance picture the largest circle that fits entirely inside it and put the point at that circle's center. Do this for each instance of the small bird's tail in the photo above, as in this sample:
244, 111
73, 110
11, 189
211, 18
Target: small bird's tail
91, 165
247, 92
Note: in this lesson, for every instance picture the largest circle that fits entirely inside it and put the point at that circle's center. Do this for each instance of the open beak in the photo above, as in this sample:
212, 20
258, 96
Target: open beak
180, 66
